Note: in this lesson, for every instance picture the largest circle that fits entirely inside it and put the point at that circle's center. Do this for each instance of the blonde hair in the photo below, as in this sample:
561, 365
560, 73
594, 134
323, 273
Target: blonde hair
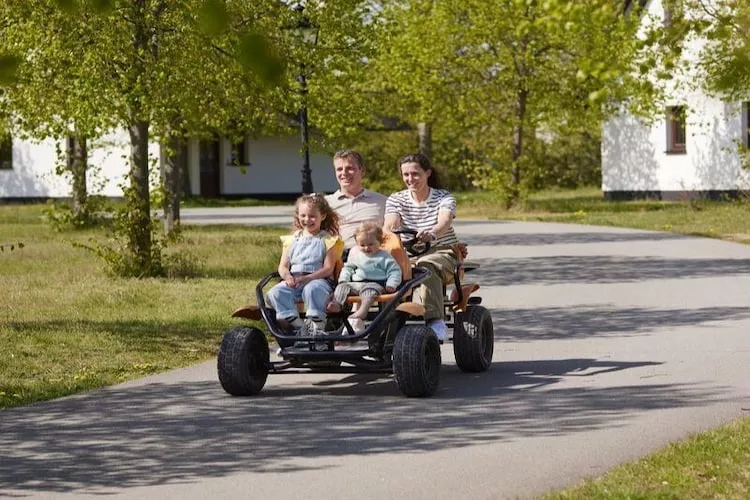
369, 230
330, 220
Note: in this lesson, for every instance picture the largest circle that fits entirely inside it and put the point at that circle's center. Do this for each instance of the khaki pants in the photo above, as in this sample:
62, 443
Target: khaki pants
442, 264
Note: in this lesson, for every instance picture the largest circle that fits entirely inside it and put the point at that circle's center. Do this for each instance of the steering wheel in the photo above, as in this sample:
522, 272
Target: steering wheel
412, 245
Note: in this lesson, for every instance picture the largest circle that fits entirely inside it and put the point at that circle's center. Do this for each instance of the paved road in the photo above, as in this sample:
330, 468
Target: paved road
609, 344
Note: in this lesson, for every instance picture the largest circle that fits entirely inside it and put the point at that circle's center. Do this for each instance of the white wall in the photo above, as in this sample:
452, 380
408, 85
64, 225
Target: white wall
276, 167
34, 162
634, 156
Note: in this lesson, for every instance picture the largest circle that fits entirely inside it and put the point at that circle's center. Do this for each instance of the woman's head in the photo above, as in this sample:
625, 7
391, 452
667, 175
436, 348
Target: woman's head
417, 172
312, 213
369, 237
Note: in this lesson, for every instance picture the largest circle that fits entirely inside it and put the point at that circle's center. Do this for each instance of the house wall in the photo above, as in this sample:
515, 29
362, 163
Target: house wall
635, 157
34, 162
274, 168
635, 160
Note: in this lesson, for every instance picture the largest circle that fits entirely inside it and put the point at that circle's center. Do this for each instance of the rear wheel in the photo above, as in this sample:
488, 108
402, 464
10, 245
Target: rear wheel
473, 339
243, 361
416, 361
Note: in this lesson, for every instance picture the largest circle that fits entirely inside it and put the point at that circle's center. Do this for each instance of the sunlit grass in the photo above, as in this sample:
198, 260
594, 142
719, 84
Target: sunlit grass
710, 465
65, 326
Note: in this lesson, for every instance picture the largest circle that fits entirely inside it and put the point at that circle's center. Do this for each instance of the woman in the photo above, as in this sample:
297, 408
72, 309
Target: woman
430, 210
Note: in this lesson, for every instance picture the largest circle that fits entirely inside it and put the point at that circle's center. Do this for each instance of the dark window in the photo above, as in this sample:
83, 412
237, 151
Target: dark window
239, 153
6, 152
746, 124
70, 150
676, 134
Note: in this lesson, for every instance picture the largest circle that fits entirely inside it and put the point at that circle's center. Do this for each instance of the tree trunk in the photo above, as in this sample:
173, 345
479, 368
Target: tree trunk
424, 131
139, 209
78, 161
172, 183
518, 137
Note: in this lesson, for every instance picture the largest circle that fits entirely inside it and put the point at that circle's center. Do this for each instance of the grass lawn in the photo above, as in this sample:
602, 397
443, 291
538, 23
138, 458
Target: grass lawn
66, 327
725, 220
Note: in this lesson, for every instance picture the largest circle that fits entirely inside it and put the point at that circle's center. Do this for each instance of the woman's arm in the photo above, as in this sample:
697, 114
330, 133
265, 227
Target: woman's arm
444, 223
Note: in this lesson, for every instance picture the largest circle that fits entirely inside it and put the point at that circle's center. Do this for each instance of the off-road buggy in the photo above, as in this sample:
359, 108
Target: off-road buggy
396, 339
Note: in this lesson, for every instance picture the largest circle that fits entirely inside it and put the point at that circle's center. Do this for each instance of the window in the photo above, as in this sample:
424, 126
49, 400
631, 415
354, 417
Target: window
676, 130
239, 153
6, 152
745, 134
70, 150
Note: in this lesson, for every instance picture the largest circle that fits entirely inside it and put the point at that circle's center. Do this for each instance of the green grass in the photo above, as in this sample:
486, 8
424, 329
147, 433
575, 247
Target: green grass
728, 220
714, 464
66, 327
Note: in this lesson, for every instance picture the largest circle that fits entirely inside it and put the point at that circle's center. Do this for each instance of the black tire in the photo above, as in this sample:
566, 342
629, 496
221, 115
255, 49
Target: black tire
473, 339
243, 361
416, 361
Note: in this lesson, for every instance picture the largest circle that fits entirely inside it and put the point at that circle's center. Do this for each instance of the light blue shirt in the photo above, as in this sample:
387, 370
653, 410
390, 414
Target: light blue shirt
380, 267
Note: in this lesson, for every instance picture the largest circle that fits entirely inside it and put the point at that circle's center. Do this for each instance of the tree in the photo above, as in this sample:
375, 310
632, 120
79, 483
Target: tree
148, 66
504, 73
726, 57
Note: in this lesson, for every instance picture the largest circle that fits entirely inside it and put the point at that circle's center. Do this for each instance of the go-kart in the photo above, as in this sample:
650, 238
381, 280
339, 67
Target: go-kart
395, 340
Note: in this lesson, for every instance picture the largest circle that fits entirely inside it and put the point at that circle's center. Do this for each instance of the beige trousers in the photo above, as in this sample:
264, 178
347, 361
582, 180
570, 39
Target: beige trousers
442, 264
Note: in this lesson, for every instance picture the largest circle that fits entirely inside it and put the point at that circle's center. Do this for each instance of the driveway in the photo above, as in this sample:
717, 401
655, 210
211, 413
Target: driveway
610, 343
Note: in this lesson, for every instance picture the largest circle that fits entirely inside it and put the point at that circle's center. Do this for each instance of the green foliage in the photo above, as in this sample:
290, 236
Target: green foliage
9, 64
726, 57
491, 76
60, 216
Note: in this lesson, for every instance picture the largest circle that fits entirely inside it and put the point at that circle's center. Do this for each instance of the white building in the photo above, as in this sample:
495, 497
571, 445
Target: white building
691, 150
267, 166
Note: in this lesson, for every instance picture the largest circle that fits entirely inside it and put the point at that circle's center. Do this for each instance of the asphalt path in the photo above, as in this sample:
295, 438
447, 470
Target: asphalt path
610, 343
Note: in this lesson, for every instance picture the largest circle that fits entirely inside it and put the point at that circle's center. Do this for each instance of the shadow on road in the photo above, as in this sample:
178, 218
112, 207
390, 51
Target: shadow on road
536, 239
549, 323
164, 433
602, 269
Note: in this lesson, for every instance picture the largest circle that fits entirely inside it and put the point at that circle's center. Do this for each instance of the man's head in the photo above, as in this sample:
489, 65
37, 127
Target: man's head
350, 168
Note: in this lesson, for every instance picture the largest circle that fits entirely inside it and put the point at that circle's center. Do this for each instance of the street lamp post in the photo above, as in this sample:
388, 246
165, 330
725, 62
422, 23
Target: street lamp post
308, 33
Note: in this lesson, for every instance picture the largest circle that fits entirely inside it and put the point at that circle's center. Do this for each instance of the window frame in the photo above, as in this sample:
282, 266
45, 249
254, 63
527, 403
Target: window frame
745, 124
6, 151
238, 153
676, 126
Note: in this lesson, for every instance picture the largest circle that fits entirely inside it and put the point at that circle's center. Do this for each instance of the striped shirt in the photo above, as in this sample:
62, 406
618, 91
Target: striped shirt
423, 215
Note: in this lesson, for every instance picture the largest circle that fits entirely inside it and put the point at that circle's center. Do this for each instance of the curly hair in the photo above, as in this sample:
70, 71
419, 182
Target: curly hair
330, 220
424, 163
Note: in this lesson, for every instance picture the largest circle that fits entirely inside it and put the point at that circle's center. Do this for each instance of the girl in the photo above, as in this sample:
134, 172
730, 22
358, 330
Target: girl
430, 210
307, 262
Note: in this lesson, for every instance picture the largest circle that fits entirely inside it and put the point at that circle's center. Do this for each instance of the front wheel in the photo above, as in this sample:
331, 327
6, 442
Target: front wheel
243, 361
473, 339
416, 361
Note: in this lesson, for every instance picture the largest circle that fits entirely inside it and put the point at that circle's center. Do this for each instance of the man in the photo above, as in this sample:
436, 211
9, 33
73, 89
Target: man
353, 203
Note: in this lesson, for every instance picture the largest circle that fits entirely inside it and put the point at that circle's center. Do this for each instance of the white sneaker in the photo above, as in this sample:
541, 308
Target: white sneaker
440, 328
